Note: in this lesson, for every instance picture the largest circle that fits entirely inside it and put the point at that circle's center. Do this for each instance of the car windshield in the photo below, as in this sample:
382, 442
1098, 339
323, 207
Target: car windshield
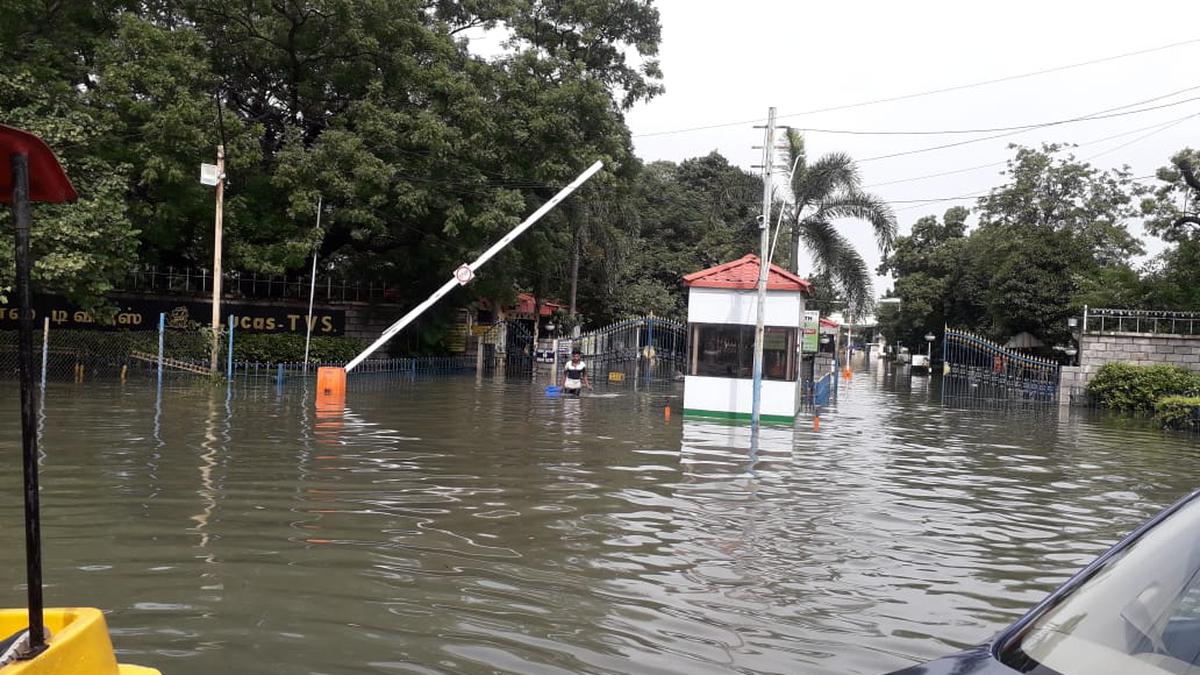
1139, 614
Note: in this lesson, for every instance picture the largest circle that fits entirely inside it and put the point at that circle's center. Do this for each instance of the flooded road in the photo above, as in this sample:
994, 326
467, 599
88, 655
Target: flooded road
453, 527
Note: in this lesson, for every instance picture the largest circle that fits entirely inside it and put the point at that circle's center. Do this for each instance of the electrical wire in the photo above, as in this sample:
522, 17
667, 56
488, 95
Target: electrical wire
943, 146
1020, 127
930, 92
1139, 139
1157, 125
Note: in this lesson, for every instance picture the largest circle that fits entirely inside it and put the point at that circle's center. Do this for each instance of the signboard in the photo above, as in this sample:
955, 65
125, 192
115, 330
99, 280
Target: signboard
812, 323
136, 313
209, 175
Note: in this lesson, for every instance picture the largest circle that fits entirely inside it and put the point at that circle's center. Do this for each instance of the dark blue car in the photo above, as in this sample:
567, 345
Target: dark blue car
1134, 611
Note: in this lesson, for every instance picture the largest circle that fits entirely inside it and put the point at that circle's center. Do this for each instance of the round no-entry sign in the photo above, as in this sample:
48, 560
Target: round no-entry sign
463, 274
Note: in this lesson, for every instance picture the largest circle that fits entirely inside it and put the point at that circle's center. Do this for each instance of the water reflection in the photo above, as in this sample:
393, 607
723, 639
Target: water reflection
480, 526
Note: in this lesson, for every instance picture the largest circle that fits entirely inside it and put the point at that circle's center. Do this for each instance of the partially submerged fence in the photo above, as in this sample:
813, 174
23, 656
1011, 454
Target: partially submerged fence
642, 352
980, 373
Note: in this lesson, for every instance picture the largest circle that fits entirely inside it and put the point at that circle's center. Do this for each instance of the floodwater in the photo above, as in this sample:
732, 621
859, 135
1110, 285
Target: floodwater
459, 527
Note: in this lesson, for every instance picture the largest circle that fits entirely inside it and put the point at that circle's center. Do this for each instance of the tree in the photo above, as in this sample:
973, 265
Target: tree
45, 87
423, 152
926, 264
689, 216
1052, 238
1172, 212
1056, 224
821, 193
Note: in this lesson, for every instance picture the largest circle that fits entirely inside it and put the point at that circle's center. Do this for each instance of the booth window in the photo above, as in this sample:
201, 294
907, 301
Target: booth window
726, 350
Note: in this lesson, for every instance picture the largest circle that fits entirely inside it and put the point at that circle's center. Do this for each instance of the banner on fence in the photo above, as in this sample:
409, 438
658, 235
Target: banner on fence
138, 313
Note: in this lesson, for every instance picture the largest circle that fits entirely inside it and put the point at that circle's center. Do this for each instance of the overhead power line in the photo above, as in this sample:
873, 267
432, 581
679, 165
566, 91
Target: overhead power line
1095, 116
930, 92
1019, 127
1158, 126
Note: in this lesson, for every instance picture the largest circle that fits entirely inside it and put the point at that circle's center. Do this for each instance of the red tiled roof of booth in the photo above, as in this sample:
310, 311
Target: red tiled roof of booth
742, 274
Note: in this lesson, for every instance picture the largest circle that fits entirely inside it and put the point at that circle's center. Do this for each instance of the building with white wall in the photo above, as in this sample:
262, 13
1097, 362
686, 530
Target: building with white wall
722, 312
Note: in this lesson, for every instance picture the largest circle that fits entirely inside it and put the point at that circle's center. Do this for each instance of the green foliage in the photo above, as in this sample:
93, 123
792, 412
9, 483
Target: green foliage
1131, 388
679, 218
1051, 239
1178, 412
823, 192
424, 153
289, 348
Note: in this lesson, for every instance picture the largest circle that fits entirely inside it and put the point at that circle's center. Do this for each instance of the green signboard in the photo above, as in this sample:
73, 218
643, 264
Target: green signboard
812, 325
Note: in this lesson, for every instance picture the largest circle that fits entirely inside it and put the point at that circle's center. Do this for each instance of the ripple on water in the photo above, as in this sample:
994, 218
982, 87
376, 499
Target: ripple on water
446, 526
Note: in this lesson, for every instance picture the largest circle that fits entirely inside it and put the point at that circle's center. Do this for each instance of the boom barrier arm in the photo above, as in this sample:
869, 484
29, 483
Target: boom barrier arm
487, 255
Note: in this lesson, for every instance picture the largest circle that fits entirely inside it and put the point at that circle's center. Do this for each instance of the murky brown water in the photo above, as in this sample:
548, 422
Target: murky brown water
452, 527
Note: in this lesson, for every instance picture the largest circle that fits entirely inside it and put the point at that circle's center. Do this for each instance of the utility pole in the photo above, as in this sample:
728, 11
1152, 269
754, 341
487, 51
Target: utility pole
763, 269
216, 301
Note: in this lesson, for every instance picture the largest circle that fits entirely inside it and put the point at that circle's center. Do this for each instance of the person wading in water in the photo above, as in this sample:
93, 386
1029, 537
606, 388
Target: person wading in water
575, 374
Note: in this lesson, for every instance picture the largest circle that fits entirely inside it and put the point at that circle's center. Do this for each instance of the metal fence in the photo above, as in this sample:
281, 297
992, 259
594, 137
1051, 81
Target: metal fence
234, 284
980, 373
85, 355
1143, 321
646, 351
81, 355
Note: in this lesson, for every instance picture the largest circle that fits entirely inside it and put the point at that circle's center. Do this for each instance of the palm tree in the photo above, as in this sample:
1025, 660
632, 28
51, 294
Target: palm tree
828, 189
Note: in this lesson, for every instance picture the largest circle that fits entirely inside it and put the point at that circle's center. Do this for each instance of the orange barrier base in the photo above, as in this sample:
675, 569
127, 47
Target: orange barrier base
331, 389
331, 381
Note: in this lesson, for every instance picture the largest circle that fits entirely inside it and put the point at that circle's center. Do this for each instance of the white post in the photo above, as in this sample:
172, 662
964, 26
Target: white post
312, 292
487, 255
763, 269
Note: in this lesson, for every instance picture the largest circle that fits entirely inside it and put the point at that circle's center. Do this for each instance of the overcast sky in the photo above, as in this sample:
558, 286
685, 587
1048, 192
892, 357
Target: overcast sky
729, 61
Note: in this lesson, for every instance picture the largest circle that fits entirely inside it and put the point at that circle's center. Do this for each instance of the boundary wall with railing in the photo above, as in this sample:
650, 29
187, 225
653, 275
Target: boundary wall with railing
1134, 336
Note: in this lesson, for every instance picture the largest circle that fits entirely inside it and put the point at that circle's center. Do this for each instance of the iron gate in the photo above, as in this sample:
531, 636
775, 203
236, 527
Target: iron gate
977, 372
645, 351
508, 350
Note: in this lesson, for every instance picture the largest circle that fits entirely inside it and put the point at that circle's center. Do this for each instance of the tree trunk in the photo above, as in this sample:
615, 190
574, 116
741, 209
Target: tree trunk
794, 263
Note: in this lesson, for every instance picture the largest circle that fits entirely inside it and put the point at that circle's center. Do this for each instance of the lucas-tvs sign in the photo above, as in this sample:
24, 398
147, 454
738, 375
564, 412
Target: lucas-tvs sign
142, 314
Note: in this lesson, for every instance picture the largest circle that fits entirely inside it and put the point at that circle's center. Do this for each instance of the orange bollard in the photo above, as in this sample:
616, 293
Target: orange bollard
331, 381
846, 373
667, 413
816, 423
331, 392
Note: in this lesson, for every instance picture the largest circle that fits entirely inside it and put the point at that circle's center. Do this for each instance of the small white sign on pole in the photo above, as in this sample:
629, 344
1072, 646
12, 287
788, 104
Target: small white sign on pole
463, 275
209, 175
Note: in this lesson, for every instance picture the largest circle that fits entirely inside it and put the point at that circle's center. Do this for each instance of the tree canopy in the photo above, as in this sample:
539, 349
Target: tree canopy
422, 151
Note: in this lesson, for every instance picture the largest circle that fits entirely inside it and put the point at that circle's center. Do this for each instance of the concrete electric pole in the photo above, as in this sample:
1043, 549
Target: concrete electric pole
763, 268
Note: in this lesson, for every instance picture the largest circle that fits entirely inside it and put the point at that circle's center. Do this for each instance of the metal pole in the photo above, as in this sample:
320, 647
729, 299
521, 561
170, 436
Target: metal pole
229, 354
763, 269
29, 451
45, 349
162, 329
312, 292
216, 299
487, 255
